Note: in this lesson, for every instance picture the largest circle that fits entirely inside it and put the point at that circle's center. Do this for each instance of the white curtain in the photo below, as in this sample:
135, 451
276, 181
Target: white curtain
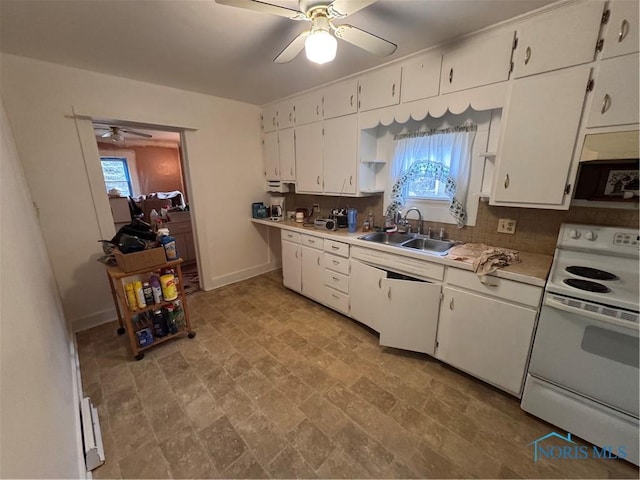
448, 153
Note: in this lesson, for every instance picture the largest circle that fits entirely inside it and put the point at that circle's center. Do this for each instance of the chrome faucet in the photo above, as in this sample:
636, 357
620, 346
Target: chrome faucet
419, 218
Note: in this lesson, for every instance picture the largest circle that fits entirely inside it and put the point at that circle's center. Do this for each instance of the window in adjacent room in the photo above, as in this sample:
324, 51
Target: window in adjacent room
116, 174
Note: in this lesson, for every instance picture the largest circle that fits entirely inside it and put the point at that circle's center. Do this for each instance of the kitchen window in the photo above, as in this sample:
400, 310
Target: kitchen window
432, 165
116, 175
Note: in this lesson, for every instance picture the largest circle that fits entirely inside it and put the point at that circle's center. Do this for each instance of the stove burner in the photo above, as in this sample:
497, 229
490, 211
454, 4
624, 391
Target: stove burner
592, 273
587, 285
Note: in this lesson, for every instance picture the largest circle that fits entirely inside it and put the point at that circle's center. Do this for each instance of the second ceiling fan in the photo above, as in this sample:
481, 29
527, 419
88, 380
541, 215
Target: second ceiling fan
319, 42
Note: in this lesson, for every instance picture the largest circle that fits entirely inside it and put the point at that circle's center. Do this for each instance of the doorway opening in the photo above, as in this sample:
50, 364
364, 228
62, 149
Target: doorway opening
147, 166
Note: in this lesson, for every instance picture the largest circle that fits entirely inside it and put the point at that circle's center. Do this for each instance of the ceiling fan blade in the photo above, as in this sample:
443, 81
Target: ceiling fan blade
139, 134
106, 134
293, 49
365, 40
264, 7
342, 8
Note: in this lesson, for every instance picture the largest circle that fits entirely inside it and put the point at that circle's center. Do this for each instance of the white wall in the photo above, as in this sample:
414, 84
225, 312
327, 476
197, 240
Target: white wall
224, 166
39, 419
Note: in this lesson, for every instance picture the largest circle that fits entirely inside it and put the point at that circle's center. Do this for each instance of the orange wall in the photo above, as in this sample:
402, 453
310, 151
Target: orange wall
158, 169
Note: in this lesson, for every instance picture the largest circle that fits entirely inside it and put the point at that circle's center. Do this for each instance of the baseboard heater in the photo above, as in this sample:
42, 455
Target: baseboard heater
91, 435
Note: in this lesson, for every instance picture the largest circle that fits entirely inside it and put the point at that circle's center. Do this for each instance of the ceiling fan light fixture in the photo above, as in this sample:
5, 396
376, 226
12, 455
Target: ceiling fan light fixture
320, 47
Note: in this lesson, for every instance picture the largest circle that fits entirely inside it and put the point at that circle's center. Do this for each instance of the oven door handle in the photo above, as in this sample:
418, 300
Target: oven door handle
595, 316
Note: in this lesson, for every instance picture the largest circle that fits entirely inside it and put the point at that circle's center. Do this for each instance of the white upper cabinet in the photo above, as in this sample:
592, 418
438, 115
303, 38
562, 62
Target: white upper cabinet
538, 136
340, 154
379, 88
286, 114
621, 31
340, 99
270, 118
271, 156
308, 108
308, 147
557, 39
421, 77
477, 61
615, 94
287, 154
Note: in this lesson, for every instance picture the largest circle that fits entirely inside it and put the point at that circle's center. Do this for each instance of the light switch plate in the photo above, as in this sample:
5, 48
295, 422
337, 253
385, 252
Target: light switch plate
507, 225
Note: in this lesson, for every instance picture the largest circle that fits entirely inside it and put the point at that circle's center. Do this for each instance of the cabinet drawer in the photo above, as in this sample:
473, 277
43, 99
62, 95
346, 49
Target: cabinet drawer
179, 227
498, 287
311, 241
337, 248
336, 280
337, 264
290, 236
336, 300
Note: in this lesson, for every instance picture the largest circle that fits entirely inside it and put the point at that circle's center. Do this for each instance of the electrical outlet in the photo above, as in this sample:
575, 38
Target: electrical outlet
316, 209
507, 225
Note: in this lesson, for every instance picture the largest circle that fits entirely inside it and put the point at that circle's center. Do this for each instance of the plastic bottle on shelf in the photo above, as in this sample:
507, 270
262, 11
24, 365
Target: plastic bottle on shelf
131, 296
179, 313
159, 324
156, 288
147, 291
168, 284
169, 244
172, 326
137, 287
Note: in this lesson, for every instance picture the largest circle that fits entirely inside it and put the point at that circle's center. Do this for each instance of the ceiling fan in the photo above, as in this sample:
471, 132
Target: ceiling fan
117, 134
319, 43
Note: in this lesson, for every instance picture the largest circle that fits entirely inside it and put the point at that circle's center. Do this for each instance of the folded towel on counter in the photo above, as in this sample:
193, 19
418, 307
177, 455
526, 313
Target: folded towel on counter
485, 259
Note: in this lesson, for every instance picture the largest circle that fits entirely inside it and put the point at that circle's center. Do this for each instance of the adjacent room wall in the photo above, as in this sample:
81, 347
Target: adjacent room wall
39, 418
159, 169
224, 166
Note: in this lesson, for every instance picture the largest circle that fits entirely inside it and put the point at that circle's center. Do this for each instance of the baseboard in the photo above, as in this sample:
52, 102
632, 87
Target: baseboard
77, 398
221, 281
93, 320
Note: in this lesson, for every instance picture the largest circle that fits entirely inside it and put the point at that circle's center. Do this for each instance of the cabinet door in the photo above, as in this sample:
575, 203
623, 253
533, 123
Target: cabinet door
421, 77
621, 35
270, 118
271, 156
558, 39
615, 94
339, 154
312, 273
308, 108
291, 266
485, 337
285, 114
287, 154
308, 147
365, 294
477, 62
340, 99
538, 137
379, 88
410, 319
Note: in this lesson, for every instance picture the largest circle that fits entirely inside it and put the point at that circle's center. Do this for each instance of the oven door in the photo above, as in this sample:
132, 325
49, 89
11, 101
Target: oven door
589, 353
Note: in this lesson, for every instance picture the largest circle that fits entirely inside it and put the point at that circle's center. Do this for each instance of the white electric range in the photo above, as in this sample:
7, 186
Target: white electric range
584, 369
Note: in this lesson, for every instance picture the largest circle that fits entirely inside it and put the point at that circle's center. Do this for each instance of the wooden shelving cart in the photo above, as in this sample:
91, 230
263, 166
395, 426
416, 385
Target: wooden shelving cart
125, 315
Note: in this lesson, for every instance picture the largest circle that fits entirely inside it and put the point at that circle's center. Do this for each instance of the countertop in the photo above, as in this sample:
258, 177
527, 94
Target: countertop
533, 268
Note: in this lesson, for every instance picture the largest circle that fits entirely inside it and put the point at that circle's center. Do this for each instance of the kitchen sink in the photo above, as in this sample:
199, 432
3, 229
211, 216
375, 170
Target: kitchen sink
388, 238
429, 244
412, 241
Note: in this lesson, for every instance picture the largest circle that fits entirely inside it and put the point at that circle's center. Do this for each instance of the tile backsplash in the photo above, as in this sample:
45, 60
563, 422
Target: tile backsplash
536, 230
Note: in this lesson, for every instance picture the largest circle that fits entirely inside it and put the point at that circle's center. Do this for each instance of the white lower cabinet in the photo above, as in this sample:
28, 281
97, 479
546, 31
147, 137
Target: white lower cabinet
312, 272
365, 287
410, 310
291, 265
486, 337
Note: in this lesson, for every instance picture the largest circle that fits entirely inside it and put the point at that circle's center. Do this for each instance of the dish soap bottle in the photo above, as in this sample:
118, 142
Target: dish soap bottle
169, 244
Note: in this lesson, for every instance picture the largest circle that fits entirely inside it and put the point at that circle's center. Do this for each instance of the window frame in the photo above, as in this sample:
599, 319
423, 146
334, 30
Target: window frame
124, 161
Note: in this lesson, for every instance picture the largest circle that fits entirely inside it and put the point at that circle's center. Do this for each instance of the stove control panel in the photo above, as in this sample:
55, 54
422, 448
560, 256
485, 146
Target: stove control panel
626, 239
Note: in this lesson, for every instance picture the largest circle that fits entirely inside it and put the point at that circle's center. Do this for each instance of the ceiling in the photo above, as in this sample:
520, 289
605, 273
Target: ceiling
204, 47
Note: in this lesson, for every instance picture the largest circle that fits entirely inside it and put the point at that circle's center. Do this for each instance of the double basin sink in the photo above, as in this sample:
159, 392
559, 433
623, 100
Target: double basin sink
411, 241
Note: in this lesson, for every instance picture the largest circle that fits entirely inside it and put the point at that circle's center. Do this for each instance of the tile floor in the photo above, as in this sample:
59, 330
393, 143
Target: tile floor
275, 385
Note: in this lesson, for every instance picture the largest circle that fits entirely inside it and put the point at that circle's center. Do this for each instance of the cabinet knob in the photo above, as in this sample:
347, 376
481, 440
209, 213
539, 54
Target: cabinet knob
276, 171
393, 90
389, 294
380, 283
318, 180
318, 261
451, 304
296, 253
351, 101
606, 103
291, 170
527, 55
317, 109
273, 120
506, 181
290, 116
350, 179
624, 30
451, 75
335, 279
335, 262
